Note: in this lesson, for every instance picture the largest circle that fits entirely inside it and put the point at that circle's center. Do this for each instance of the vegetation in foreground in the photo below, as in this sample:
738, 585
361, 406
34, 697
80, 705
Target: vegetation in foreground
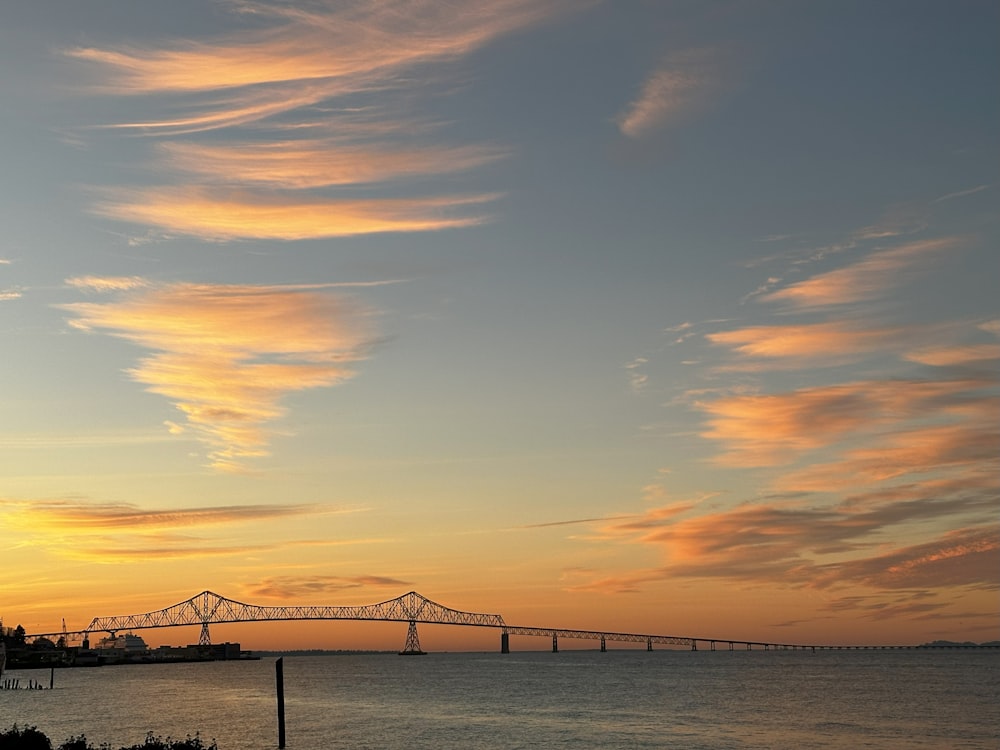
30, 738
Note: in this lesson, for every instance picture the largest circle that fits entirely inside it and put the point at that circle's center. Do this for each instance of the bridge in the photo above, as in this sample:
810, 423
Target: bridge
208, 608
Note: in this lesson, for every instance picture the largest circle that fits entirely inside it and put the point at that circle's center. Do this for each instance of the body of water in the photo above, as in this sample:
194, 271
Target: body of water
945, 700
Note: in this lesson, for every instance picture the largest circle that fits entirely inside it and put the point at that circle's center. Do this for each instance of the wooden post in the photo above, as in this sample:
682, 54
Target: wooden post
280, 679
52, 677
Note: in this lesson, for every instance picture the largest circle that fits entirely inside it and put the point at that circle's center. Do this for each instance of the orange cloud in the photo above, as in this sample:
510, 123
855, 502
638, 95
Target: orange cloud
301, 588
921, 450
124, 532
951, 356
107, 283
232, 110
148, 550
225, 355
72, 515
240, 214
311, 163
772, 429
817, 343
292, 61
963, 557
817, 546
305, 56
865, 280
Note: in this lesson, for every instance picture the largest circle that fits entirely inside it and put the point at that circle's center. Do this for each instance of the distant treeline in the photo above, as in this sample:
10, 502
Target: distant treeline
960, 644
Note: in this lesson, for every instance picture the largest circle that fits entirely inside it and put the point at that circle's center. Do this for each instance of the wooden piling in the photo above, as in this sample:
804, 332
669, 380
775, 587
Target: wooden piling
280, 680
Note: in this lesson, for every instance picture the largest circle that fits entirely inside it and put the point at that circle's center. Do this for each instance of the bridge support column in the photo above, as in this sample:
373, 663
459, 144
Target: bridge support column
555, 643
604, 645
204, 639
694, 645
649, 644
412, 647
505, 643
712, 647
730, 645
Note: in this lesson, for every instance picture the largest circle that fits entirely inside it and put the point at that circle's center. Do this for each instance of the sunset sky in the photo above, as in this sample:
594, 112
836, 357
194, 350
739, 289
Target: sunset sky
638, 315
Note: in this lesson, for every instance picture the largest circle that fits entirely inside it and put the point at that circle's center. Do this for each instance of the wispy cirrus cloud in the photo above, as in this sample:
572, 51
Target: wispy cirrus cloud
962, 193
145, 549
816, 547
567, 522
870, 486
865, 280
107, 283
348, 69
960, 350
77, 515
297, 56
221, 215
125, 532
314, 163
954, 355
967, 446
808, 343
778, 428
682, 84
225, 355
963, 557
300, 588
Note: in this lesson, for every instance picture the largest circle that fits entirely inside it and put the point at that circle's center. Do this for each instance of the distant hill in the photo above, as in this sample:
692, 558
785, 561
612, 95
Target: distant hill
960, 644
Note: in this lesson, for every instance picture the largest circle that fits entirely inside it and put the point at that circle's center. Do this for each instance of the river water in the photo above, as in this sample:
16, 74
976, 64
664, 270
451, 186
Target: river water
705, 700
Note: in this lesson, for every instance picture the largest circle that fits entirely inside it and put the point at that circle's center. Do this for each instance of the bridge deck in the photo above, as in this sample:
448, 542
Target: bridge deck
208, 608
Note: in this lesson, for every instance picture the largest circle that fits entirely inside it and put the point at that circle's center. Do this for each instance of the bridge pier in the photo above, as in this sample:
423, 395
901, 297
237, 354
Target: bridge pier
649, 644
412, 647
555, 643
604, 645
694, 645
505, 643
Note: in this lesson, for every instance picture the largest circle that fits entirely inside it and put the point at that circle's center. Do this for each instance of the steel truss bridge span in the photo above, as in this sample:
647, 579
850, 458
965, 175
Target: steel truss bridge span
208, 608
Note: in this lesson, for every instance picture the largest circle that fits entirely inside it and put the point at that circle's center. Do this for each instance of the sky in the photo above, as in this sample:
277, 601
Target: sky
651, 316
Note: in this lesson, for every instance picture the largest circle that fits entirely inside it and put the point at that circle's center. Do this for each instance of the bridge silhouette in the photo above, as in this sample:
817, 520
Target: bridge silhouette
208, 608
